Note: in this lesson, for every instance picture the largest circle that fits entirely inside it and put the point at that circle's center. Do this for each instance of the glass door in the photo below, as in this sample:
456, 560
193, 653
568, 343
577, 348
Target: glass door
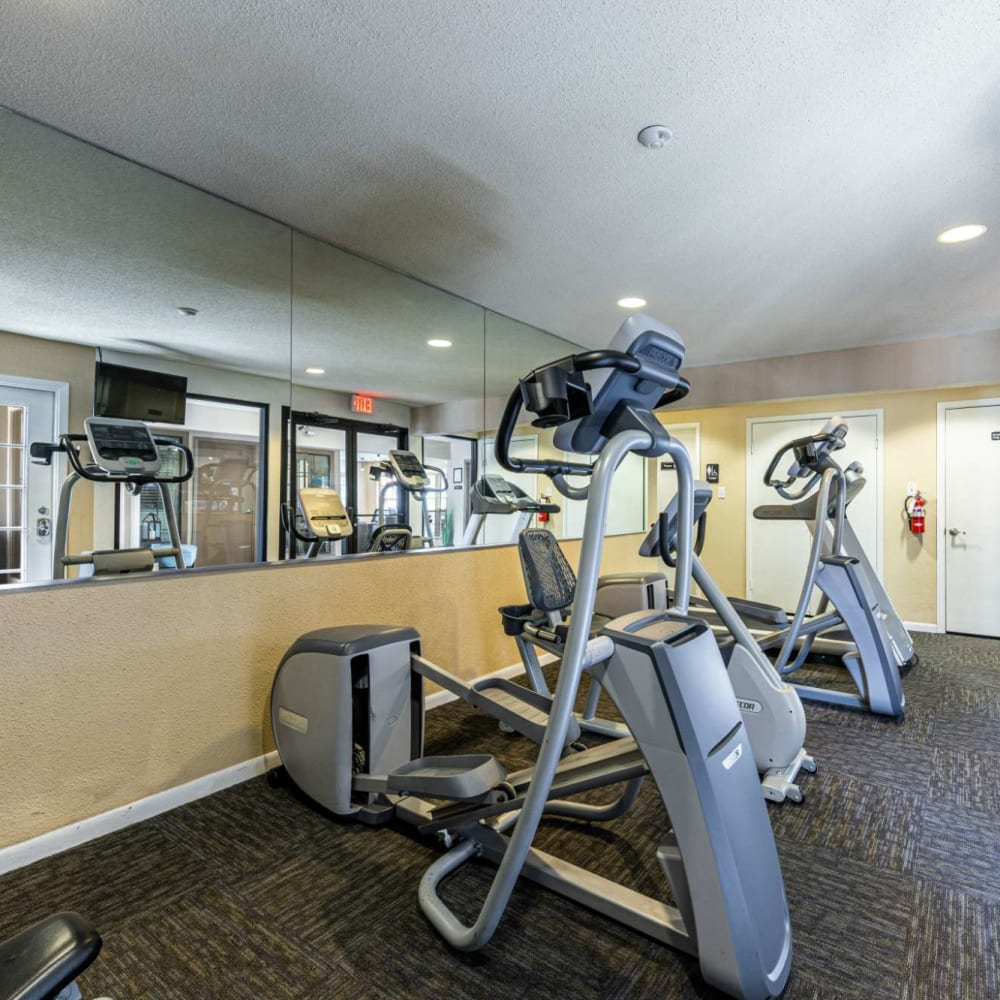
341, 454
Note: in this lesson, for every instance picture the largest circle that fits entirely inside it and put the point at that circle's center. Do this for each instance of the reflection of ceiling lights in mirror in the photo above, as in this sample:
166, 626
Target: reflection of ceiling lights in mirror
631, 302
187, 311
437, 342
959, 234
315, 371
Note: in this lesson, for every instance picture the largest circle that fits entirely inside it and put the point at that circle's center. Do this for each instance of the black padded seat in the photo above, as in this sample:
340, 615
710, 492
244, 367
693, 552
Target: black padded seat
42, 960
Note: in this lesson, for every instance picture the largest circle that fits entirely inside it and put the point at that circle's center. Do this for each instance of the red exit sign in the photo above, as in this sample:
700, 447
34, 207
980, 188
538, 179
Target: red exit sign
363, 404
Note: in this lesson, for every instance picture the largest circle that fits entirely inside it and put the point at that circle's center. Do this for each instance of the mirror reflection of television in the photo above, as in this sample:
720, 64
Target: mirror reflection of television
136, 394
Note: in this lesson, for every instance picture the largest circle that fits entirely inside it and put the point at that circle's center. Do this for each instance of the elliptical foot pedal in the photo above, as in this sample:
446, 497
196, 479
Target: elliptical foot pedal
465, 776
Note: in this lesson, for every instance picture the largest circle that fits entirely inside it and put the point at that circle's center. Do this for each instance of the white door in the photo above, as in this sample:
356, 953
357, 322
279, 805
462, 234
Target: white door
970, 528
777, 551
27, 518
689, 435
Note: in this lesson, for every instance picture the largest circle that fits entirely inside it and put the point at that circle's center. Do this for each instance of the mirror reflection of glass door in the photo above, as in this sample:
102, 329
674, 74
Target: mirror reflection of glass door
320, 462
218, 509
380, 500
341, 454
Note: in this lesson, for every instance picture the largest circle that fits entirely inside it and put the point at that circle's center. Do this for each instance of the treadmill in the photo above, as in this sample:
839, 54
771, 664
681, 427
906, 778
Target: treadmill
495, 495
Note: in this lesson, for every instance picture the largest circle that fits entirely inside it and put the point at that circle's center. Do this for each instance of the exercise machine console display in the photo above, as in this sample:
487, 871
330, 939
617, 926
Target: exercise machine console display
122, 446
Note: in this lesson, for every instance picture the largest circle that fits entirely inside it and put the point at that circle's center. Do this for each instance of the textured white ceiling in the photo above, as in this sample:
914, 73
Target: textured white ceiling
489, 147
100, 251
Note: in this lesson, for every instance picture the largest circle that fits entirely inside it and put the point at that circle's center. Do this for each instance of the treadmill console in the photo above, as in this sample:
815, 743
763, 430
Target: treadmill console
122, 447
409, 470
501, 489
324, 513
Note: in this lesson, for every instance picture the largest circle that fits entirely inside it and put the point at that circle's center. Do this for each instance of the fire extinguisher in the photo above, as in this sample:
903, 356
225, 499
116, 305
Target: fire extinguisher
915, 508
543, 515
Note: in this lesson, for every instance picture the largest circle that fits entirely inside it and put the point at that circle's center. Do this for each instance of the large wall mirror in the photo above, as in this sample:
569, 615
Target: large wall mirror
307, 376
112, 269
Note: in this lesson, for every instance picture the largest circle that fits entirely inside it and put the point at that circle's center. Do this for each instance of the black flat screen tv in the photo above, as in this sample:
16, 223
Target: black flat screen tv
136, 394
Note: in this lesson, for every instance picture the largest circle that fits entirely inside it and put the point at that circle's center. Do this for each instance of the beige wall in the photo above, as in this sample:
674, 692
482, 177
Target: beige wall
52, 360
910, 455
113, 691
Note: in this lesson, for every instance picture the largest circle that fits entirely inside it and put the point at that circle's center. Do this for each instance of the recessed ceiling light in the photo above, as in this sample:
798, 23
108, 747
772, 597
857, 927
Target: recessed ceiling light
315, 371
187, 311
631, 302
438, 342
959, 234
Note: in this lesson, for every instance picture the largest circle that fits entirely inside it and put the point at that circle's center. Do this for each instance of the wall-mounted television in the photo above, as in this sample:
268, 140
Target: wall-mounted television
136, 394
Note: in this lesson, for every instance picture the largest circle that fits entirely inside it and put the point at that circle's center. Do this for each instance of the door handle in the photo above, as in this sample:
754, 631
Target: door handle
954, 531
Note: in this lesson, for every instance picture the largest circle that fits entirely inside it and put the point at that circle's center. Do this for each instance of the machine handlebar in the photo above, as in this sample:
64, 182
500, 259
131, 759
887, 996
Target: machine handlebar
558, 393
42, 452
812, 456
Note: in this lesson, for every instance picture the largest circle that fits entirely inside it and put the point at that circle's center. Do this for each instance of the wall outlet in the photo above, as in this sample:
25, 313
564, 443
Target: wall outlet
911, 489
722, 492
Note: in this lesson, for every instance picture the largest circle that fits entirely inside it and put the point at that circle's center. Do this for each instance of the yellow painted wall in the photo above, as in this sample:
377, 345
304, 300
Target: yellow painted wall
115, 690
910, 455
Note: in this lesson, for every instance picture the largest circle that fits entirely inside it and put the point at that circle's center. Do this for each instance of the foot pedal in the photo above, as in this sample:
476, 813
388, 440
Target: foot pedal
465, 776
518, 707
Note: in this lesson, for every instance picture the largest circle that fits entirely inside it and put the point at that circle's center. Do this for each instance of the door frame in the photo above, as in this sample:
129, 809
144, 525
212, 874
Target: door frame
652, 488
942, 468
879, 415
290, 418
60, 420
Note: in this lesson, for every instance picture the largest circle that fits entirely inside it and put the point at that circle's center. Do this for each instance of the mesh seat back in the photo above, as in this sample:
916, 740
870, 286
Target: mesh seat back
548, 576
390, 538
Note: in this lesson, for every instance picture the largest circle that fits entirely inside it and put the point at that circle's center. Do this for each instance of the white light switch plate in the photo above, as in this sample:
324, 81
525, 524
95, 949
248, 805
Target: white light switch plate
722, 492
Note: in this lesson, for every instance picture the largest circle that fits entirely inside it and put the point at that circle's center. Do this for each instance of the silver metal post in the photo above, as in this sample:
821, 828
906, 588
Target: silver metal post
685, 525
816, 552
469, 938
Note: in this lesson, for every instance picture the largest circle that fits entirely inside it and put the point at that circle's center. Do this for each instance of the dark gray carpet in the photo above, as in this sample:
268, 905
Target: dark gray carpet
892, 868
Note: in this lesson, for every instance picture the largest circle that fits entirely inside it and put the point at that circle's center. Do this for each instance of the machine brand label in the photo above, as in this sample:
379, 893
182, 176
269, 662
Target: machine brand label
733, 757
293, 720
995, 435
749, 706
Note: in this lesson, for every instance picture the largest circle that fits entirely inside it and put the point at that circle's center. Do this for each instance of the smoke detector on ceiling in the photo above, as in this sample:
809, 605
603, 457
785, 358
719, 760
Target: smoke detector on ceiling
655, 136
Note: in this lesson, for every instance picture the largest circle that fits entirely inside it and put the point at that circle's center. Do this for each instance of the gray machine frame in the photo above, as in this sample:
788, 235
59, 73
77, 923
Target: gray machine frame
877, 643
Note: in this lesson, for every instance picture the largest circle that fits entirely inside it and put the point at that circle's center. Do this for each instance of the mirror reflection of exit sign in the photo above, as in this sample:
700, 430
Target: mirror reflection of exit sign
362, 404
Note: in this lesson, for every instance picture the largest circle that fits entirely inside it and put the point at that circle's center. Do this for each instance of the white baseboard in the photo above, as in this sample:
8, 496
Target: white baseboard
923, 627
514, 670
57, 841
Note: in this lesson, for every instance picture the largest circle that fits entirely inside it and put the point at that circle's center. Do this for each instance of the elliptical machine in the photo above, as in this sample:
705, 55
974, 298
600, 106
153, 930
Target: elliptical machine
875, 643
347, 712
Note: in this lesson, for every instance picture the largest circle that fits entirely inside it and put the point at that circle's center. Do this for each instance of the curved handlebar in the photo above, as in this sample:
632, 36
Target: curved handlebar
505, 433
566, 367
809, 464
98, 475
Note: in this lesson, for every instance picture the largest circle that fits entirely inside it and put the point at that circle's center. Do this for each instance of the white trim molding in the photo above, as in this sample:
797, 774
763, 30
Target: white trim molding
924, 627
75, 834
56, 841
